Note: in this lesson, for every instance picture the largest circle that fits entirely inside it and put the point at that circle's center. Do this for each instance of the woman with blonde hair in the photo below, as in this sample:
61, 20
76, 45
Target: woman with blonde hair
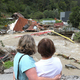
27, 71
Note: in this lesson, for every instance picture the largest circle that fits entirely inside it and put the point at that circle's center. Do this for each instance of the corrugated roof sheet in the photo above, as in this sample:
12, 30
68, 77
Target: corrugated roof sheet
20, 24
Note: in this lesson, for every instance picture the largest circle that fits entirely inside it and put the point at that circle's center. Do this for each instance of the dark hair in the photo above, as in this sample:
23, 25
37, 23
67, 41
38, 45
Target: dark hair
46, 47
26, 45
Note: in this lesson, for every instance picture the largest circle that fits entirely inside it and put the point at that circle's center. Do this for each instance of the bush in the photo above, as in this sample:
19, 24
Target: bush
51, 13
77, 37
3, 21
27, 12
8, 64
37, 15
46, 14
1, 27
74, 17
0, 14
56, 13
58, 21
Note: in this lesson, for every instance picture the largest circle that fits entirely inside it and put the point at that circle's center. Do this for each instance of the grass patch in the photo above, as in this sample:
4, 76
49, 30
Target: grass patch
1, 26
8, 64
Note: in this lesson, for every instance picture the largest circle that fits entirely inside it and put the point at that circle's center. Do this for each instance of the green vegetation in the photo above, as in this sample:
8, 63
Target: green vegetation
58, 21
42, 8
8, 64
3, 21
1, 26
75, 17
2, 43
39, 9
77, 37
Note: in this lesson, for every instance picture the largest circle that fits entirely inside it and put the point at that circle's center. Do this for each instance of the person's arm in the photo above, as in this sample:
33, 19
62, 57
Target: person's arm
13, 76
58, 77
32, 75
61, 73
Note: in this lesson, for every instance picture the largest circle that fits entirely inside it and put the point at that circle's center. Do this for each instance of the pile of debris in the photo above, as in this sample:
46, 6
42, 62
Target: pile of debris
22, 24
6, 53
28, 25
70, 77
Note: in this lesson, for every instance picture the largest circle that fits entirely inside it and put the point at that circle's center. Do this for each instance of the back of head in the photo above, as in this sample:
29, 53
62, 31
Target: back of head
46, 48
26, 45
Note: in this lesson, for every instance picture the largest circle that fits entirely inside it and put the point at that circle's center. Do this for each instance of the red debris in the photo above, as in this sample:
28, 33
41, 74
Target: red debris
58, 24
40, 33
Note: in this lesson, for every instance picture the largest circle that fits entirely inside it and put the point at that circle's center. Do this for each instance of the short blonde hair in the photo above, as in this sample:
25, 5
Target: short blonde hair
26, 45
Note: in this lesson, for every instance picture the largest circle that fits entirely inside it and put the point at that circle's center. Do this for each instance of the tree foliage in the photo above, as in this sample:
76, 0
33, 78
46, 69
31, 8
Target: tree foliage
47, 8
74, 17
77, 37
39, 5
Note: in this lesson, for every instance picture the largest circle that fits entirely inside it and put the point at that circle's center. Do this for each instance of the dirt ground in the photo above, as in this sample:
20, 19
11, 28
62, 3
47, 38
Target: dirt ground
62, 45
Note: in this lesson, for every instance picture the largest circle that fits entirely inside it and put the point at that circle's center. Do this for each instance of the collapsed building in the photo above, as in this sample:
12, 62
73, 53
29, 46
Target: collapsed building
23, 24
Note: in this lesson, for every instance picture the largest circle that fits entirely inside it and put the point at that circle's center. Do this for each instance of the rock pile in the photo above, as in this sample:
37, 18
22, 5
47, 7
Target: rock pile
70, 77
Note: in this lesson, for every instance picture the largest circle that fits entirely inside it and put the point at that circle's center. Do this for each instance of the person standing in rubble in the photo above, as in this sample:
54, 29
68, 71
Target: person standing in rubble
48, 66
27, 71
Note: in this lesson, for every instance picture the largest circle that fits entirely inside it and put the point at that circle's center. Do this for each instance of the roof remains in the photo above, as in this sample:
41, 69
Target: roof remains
20, 24
33, 23
16, 15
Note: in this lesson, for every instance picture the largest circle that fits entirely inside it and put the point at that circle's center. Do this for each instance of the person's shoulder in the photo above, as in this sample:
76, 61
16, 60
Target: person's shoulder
27, 57
38, 63
56, 58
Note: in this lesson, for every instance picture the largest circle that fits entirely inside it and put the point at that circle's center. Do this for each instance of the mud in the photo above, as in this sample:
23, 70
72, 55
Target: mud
62, 45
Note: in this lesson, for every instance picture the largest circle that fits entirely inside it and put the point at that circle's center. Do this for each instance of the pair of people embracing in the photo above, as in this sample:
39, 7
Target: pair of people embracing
48, 68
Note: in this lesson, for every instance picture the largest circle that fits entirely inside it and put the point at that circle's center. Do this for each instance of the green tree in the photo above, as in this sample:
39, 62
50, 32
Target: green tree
27, 12
11, 6
46, 14
4, 7
51, 14
56, 13
36, 15
39, 15
74, 17
0, 13
73, 4
53, 4
62, 6
41, 5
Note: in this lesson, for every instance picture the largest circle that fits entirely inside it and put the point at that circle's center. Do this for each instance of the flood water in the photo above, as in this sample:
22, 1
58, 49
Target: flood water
62, 45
